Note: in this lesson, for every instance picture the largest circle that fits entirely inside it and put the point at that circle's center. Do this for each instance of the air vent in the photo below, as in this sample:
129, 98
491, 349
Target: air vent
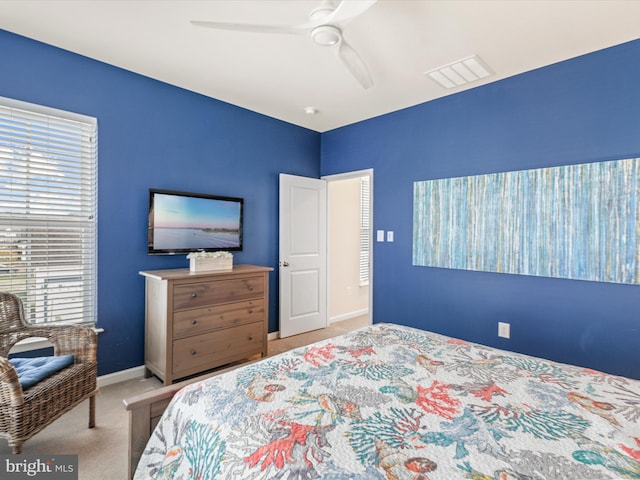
460, 72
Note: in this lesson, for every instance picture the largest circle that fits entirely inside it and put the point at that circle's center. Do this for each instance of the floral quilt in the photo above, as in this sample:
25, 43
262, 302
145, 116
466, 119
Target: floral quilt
396, 403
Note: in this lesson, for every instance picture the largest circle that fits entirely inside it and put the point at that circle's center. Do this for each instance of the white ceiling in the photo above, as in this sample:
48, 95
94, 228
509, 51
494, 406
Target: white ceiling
280, 75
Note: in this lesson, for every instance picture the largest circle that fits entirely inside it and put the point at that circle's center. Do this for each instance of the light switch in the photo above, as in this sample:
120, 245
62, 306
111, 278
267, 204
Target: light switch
380, 236
390, 236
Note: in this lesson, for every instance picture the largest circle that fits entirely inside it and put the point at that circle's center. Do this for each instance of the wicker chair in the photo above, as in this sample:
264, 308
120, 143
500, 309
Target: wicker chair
23, 413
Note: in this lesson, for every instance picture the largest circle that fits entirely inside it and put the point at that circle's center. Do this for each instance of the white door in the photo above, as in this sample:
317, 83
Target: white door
303, 254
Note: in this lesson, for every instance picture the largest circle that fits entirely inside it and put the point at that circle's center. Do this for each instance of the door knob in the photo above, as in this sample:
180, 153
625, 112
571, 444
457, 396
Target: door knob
284, 264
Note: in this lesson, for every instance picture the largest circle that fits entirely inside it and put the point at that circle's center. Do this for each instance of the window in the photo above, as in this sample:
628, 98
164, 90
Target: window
365, 230
48, 171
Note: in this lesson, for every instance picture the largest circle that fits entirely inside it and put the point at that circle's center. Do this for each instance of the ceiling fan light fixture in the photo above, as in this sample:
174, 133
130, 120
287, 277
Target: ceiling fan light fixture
460, 73
326, 35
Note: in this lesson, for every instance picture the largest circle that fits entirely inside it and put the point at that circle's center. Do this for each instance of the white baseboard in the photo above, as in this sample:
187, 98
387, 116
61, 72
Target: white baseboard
273, 336
121, 376
347, 316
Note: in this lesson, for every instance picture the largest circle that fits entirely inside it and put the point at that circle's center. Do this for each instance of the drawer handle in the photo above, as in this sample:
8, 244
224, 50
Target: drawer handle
193, 322
194, 295
249, 287
250, 310
250, 338
193, 352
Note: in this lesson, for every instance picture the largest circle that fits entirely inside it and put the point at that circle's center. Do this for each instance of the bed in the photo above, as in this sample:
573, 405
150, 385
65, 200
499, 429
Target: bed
393, 402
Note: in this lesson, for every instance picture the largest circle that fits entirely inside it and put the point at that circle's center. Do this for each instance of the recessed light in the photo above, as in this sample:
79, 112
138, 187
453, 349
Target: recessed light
460, 72
310, 110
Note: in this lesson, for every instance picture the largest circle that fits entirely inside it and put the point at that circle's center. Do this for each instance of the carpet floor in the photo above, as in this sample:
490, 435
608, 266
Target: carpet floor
102, 450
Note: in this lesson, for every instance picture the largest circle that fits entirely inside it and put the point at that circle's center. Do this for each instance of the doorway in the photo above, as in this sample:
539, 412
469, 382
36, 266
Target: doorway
309, 265
349, 247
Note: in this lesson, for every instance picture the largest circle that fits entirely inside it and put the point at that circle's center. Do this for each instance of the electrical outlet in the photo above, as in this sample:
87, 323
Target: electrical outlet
504, 330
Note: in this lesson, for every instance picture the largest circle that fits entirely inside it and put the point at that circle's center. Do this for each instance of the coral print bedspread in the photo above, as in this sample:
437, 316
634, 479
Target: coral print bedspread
390, 402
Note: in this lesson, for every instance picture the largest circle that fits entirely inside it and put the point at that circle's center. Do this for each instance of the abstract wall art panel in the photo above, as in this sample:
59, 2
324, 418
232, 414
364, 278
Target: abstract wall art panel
577, 221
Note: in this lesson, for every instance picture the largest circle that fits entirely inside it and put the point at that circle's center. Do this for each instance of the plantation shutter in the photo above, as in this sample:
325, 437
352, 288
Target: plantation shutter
48, 211
365, 229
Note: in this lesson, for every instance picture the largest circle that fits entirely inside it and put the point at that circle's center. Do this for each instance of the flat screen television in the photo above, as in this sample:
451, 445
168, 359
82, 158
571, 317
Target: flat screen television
184, 222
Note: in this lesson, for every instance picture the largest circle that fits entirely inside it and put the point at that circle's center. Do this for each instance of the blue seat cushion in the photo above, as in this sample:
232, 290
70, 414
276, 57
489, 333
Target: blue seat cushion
33, 370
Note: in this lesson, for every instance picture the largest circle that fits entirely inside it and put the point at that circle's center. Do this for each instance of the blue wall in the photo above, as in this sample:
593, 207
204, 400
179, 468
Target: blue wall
155, 135
583, 110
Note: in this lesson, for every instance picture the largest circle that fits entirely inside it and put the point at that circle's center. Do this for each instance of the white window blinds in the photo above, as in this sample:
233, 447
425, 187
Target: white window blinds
365, 230
48, 215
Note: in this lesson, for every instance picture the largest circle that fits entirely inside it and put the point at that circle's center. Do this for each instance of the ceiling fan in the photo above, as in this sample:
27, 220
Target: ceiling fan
325, 26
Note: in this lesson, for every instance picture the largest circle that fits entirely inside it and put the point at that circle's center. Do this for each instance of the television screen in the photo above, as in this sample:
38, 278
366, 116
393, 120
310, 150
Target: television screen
182, 222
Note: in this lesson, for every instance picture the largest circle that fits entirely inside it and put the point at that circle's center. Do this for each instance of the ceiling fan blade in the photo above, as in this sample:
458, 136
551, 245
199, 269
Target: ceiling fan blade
355, 64
347, 10
247, 27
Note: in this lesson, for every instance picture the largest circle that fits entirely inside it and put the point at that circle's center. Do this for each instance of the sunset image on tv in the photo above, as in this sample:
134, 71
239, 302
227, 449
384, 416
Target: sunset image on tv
193, 223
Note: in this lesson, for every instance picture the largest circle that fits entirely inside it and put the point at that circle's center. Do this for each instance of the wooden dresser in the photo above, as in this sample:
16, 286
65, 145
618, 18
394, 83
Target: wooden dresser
198, 321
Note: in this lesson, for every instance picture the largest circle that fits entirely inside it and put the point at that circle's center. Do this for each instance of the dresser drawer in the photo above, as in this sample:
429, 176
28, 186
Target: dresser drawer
193, 295
217, 348
190, 322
